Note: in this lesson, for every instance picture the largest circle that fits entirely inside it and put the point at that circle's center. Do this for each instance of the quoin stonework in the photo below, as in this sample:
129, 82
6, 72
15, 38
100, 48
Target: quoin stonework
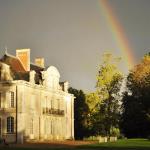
34, 104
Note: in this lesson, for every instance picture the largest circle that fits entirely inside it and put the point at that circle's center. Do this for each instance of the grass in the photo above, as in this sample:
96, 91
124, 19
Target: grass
129, 144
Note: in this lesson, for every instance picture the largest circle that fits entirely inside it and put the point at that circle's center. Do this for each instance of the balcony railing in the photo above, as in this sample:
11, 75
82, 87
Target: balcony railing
52, 111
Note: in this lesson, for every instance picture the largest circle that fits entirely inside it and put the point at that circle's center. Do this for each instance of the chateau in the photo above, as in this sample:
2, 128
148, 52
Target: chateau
34, 105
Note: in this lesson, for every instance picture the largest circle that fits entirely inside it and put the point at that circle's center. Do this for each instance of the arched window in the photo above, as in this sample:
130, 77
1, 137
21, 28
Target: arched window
10, 124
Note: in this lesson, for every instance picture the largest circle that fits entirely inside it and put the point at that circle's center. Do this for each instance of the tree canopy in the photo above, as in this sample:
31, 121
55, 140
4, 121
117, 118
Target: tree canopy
136, 101
104, 102
80, 113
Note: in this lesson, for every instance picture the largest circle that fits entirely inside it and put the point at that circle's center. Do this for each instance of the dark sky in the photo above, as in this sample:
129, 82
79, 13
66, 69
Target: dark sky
72, 34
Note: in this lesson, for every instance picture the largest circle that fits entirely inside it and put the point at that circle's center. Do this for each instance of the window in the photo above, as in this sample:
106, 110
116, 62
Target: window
10, 125
0, 100
12, 104
45, 129
51, 126
0, 127
46, 102
32, 102
31, 126
52, 104
50, 129
58, 104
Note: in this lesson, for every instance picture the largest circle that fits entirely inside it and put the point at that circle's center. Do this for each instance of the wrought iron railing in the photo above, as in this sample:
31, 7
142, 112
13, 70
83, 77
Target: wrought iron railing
52, 111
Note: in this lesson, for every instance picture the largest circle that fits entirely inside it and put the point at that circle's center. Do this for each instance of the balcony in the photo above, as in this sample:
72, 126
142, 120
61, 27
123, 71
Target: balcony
52, 111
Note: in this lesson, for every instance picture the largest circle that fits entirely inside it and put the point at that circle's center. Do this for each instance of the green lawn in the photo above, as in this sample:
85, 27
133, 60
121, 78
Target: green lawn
132, 144
129, 144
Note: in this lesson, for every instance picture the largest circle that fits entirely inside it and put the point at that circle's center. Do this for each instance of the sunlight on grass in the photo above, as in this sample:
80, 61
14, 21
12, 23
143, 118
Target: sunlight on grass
140, 144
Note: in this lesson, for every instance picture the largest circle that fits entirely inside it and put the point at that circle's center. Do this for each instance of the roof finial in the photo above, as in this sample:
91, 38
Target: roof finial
6, 49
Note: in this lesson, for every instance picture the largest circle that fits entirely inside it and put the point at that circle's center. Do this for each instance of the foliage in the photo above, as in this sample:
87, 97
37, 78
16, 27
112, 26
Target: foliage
81, 111
136, 101
109, 77
92, 99
115, 132
104, 103
109, 81
98, 113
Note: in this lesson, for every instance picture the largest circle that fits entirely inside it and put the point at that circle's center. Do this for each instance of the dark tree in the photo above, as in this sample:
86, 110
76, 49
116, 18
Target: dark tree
80, 113
136, 101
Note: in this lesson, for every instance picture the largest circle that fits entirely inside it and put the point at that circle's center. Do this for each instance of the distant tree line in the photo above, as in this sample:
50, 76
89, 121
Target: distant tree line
109, 111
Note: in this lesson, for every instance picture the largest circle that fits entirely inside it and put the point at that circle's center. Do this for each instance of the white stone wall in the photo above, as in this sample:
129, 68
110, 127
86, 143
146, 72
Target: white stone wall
32, 100
6, 110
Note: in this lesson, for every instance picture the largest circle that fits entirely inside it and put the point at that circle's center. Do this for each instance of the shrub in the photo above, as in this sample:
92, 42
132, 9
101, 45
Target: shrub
114, 132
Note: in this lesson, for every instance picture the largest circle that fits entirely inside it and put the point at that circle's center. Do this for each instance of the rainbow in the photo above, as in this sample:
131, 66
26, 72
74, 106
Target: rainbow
118, 33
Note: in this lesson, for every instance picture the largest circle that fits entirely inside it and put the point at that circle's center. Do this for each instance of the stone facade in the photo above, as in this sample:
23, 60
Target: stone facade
34, 105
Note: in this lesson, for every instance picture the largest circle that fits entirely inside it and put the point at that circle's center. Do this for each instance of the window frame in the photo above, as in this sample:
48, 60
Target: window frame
31, 126
10, 125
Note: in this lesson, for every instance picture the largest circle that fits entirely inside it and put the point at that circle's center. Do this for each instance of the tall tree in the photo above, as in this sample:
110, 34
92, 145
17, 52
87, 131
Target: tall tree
109, 81
136, 101
81, 111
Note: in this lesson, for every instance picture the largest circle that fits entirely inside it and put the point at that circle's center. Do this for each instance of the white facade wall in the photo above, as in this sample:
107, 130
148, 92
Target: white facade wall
40, 113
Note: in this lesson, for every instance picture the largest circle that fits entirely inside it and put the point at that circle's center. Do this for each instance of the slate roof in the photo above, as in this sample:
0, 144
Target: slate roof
14, 63
18, 70
36, 68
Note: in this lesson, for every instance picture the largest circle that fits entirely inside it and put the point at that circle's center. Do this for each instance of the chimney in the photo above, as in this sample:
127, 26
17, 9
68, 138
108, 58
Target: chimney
39, 62
24, 56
